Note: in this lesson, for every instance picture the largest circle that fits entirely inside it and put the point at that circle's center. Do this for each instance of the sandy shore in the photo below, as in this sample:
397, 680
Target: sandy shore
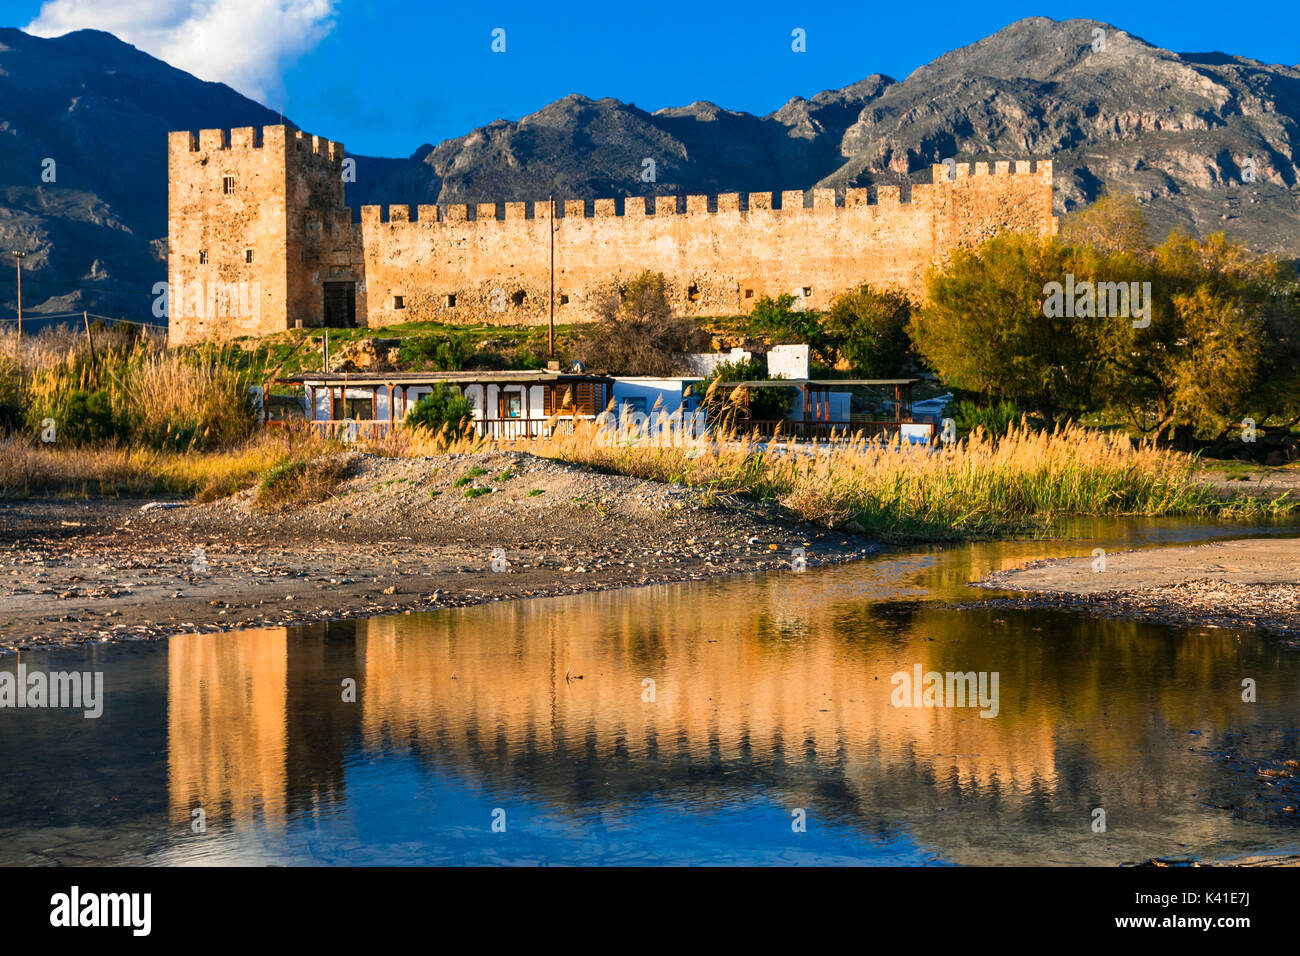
400, 535
1248, 583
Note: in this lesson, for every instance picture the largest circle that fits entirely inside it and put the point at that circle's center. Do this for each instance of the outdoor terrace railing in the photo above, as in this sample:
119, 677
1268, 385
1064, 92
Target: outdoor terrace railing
516, 429
822, 430
501, 429
354, 429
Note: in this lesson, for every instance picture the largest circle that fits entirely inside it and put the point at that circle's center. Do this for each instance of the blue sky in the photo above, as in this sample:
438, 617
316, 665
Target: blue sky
384, 77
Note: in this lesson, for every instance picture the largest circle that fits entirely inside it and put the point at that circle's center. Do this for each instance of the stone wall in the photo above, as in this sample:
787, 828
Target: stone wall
718, 254
492, 263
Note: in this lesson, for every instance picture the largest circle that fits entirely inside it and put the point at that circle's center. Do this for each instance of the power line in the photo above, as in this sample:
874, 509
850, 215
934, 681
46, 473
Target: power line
109, 318
81, 288
47, 315
40, 317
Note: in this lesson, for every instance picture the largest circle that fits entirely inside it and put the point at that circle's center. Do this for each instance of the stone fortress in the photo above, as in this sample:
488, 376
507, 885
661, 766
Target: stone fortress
260, 240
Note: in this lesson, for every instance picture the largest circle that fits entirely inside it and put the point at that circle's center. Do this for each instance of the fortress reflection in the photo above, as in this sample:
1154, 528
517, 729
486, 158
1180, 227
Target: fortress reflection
753, 691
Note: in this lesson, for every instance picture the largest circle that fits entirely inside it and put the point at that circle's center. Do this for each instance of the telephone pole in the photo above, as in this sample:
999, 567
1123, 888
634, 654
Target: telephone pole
550, 339
18, 258
18, 349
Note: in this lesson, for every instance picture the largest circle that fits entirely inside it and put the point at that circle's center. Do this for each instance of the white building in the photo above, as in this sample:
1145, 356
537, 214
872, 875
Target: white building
511, 404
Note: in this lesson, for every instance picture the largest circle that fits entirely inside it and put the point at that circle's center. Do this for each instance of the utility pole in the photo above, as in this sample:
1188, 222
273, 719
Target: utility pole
18, 350
18, 258
550, 339
90, 342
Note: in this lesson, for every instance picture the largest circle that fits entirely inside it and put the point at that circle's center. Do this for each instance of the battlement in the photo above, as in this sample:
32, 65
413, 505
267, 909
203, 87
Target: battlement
318, 146
814, 202
250, 138
982, 168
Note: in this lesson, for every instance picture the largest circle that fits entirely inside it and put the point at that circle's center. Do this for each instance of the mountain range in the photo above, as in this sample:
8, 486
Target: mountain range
1206, 141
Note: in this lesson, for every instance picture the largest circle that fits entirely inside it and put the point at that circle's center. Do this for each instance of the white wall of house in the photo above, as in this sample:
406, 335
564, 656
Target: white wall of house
705, 363
788, 361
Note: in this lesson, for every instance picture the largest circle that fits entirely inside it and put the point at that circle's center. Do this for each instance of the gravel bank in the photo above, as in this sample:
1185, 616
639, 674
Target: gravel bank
1249, 583
398, 535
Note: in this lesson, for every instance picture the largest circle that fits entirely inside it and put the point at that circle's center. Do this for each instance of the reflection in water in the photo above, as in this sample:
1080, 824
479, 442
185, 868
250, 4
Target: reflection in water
226, 726
704, 717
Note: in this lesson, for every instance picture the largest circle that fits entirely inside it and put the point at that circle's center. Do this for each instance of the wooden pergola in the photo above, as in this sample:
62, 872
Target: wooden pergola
815, 394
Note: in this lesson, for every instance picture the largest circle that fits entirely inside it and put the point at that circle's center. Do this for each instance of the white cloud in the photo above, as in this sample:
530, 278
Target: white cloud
245, 43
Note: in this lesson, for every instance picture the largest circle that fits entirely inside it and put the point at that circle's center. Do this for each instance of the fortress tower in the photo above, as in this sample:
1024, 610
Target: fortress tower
259, 240
252, 219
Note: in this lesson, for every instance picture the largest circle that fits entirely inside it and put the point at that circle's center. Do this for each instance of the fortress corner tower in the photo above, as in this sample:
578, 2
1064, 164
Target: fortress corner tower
257, 233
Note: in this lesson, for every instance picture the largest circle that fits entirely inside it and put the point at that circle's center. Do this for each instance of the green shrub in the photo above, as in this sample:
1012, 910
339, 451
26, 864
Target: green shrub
994, 419
440, 353
80, 416
296, 481
443, 408
765, 404
779, 319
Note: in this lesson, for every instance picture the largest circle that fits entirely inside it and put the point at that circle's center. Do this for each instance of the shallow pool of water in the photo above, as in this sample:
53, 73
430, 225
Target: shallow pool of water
743, 720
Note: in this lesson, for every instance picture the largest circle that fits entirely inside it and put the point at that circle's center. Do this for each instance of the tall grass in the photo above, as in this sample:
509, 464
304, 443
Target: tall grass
127, 387
979, 487
30, 467
181, 401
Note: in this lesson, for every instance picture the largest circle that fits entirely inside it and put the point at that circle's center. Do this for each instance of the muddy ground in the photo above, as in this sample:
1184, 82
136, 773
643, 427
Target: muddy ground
399, 535
1249, 583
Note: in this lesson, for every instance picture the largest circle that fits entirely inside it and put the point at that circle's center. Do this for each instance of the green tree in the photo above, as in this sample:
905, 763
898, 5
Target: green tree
1212, 338
1223, 343
1112, 224
984, 330
444, 407
869, 329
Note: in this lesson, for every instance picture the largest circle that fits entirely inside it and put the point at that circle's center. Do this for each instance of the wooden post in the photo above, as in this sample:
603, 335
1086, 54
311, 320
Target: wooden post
18, 257
89, 341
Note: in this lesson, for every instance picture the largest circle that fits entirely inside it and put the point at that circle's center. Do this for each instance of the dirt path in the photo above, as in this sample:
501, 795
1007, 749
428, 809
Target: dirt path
401, 535
1250, 583
1262, 481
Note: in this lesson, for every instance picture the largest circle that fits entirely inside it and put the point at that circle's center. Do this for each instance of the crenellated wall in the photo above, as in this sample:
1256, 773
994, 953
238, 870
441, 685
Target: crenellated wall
719, 254
492, 262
